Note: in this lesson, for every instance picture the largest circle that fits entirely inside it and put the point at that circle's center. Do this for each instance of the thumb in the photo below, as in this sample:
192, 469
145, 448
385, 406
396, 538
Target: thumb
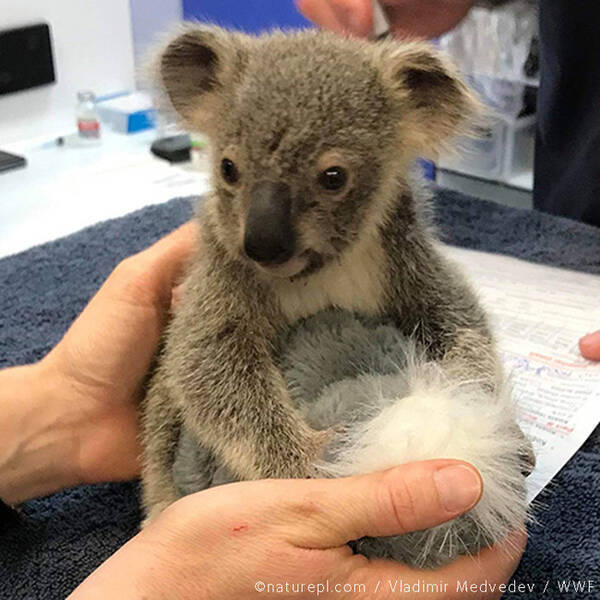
147, 278
589, 345
411, 497
166, 258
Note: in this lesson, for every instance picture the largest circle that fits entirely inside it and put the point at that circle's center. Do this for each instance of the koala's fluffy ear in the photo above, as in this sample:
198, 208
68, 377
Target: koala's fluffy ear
433, 103
196, 68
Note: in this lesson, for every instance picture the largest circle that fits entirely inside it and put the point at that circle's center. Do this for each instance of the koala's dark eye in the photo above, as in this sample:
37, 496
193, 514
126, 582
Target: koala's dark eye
333, 179
229, 171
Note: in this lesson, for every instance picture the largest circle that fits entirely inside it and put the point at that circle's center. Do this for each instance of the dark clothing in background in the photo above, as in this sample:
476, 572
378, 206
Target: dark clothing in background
567, 161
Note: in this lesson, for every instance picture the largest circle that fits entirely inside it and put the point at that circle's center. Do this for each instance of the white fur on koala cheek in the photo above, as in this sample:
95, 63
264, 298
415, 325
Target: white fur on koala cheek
438, 419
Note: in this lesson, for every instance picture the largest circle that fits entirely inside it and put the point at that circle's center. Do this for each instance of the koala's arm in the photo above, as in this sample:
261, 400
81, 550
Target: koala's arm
457, 326
432, 300
218, 360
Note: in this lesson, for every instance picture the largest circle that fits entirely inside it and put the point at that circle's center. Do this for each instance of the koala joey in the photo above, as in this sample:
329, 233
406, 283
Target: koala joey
314, 205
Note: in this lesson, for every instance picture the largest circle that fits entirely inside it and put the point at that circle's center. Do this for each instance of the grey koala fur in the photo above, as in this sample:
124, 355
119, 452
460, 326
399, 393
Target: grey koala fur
276, 246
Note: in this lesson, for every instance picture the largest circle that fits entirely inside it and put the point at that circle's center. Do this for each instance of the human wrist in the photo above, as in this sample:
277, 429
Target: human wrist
145, 567
38, 454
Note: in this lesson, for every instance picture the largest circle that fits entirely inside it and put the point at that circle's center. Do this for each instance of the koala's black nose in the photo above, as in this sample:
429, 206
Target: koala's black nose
270, 235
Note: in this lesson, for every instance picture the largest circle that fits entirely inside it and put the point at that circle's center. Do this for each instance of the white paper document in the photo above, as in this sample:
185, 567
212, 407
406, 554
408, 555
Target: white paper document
538, 314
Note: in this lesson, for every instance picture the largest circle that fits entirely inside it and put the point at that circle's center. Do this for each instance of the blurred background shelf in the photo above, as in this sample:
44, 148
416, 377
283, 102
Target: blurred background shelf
504, 153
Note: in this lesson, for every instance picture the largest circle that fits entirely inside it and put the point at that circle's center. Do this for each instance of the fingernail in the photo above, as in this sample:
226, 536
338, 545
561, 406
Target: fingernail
459, 487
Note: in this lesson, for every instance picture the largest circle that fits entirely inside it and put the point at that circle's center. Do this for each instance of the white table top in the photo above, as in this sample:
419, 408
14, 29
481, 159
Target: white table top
64, 188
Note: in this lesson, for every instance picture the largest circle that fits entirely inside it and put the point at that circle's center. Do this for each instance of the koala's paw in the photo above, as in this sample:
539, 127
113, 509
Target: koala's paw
300, 460
319, 440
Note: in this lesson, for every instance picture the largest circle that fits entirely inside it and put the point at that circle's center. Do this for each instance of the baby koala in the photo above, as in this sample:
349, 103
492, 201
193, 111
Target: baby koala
315, 206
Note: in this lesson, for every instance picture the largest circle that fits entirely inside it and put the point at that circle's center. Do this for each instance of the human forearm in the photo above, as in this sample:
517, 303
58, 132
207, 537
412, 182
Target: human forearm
38, 448
72, 418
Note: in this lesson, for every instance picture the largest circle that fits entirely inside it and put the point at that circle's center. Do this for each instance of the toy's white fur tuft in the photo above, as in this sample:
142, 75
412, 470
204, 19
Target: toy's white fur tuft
442, 419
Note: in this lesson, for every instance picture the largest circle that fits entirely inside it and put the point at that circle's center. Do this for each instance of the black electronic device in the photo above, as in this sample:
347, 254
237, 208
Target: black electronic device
26, 59
175, 149
10, 161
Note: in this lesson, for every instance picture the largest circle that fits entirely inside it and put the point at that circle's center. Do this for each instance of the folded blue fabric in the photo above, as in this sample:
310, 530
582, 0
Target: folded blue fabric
59, 540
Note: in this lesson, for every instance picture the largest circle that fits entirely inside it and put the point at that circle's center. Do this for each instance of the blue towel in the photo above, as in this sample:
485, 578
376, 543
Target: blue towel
59, 540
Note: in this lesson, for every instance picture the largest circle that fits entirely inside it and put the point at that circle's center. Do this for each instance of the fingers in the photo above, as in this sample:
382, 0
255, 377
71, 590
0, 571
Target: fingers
322, 14
329, 513
413, 18
341, 16
490, 568
425, 19
589, 346
168, 256
149, 276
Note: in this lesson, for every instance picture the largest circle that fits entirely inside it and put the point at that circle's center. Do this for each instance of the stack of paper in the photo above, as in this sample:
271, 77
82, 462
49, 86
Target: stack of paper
538, 314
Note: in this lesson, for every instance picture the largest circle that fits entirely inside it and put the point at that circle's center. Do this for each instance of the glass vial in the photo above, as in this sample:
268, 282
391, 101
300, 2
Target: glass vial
88, 123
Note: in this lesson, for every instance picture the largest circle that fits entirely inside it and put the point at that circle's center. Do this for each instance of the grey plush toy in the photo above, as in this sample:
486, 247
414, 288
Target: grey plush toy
349, 374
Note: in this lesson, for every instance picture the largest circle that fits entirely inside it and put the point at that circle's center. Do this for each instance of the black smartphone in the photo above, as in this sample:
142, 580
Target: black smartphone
10, 161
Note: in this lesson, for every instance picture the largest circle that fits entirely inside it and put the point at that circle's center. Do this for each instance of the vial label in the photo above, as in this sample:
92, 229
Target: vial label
88, 128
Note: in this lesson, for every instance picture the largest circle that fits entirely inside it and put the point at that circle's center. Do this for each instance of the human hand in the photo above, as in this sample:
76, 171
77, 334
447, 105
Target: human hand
589, 346
413, 18
96, 372
225, 541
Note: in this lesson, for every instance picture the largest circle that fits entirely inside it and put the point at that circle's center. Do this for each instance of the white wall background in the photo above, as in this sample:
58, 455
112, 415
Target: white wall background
93, 49
149, 19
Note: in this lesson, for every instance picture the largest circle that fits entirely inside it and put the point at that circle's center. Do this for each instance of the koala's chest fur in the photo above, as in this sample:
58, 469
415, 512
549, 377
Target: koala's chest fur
354, 282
